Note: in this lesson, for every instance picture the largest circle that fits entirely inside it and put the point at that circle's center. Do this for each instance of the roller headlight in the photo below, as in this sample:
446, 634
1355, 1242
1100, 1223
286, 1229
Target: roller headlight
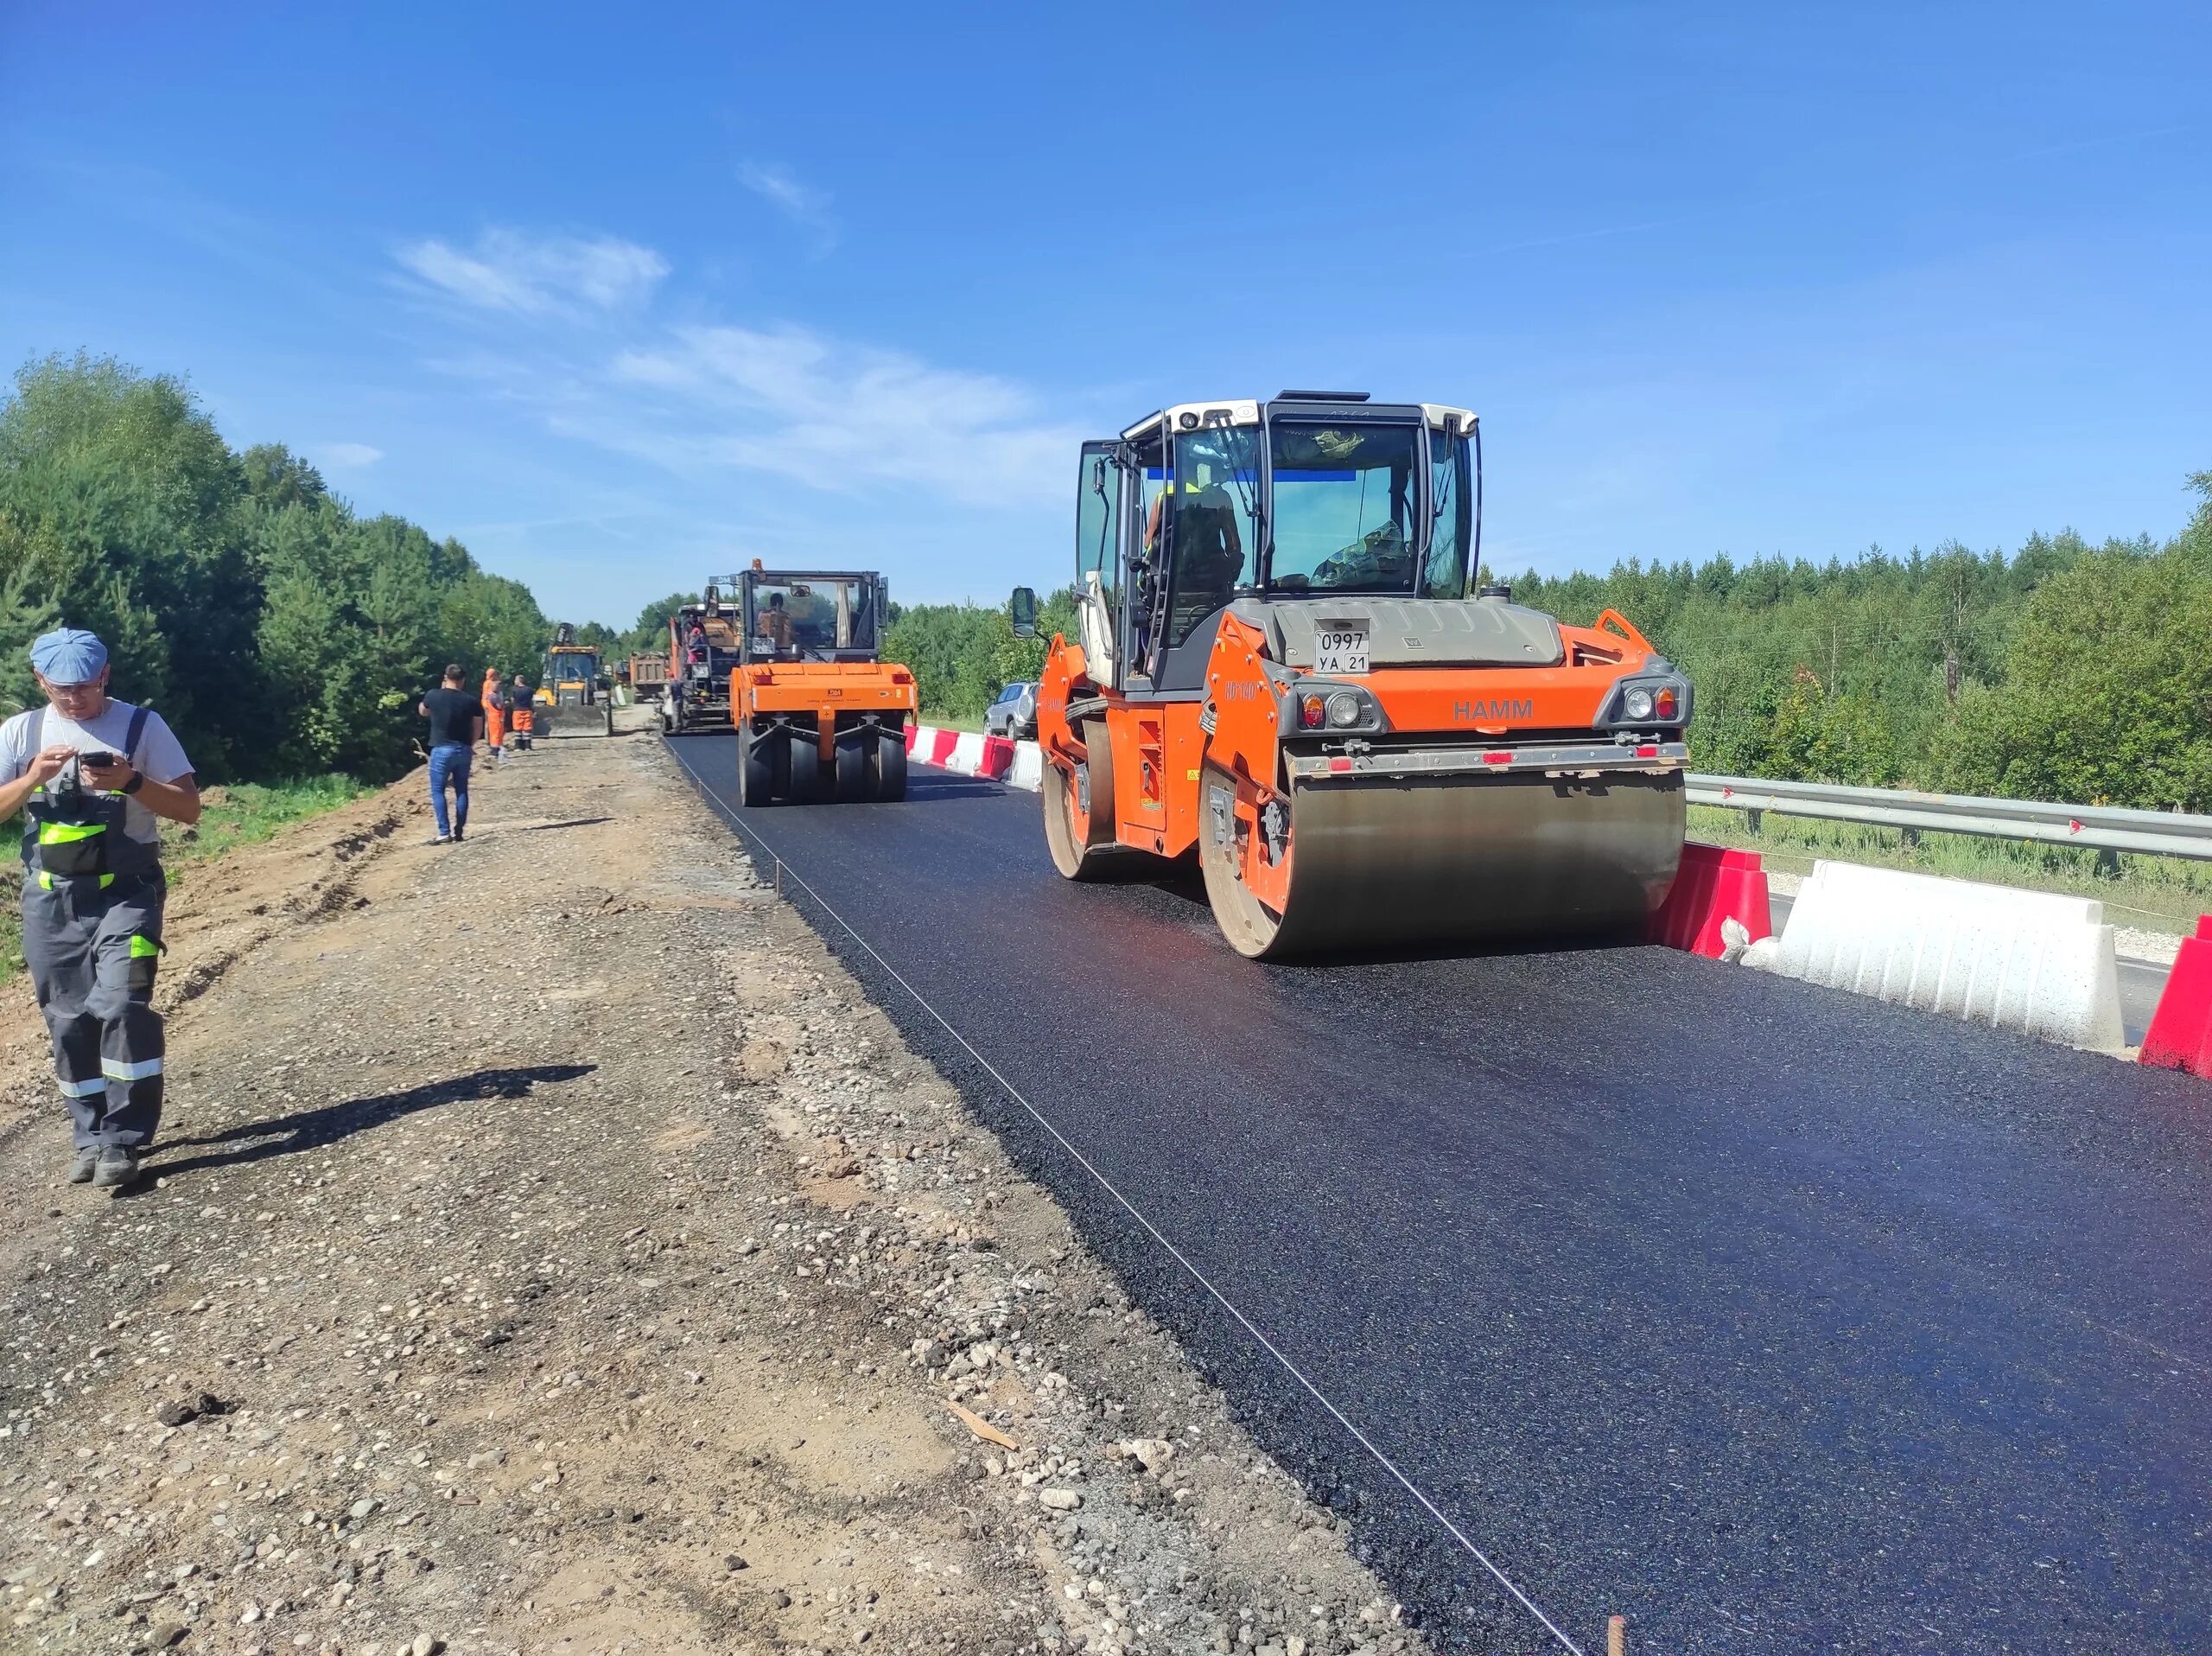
1318, 707
1657, 696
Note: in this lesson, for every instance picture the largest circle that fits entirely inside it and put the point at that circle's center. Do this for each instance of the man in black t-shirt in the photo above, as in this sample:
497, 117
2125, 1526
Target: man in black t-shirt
456, 720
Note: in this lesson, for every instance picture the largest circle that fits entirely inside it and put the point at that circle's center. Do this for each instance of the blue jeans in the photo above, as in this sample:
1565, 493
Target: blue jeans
449, 766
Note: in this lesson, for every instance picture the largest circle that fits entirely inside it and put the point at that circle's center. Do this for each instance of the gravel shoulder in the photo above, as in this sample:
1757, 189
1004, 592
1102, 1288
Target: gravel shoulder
551, 1249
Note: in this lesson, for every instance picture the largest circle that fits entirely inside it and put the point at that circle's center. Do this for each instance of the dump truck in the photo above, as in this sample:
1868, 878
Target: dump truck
819, 714
648, 675
569, 695
1280, 669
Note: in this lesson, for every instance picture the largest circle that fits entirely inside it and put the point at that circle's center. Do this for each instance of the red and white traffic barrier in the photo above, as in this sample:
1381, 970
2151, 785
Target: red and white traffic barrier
1714, 886
1018, 764
2180, 1035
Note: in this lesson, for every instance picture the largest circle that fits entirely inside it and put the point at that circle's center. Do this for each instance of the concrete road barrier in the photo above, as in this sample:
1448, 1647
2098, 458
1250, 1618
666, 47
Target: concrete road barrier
2023, 961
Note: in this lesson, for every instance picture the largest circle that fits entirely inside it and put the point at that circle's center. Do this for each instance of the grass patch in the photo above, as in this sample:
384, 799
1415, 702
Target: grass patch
229, 817
2154, 893
251, 812
948, 721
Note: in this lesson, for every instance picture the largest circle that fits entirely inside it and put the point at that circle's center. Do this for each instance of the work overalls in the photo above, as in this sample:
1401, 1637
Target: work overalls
92, 903
495, 719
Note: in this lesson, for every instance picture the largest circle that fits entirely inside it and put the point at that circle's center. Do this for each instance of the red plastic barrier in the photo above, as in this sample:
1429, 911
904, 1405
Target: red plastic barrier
942, 743
1712, 885
2180, 1035
913, 733
998, 756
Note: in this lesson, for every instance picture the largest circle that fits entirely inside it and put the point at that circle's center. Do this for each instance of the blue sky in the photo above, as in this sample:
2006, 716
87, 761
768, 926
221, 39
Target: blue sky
624, 295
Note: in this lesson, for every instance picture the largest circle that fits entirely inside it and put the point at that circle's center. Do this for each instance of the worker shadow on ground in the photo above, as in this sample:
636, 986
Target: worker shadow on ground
309, 1129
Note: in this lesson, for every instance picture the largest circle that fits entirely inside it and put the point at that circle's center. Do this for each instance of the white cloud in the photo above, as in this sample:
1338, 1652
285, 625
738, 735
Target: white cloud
833, 416
801, 203
563, 276
348, 454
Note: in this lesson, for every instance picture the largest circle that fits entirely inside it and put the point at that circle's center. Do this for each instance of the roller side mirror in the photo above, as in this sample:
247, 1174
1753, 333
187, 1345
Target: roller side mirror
1022, 607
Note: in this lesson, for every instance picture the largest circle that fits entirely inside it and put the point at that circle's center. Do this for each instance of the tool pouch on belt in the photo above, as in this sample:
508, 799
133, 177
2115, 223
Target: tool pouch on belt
72, 832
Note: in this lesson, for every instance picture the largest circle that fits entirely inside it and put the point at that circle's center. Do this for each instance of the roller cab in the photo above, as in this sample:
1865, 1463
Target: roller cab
1279, 669
818, 716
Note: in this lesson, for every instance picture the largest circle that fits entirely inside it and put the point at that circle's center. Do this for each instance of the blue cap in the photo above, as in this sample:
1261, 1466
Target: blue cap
69, 655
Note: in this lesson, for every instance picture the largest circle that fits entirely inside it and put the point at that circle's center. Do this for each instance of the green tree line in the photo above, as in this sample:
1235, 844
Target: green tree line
962, 655
279, 633
649, 635
2059, 670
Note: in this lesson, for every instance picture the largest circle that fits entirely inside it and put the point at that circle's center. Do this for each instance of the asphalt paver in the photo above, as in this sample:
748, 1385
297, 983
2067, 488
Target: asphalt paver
1767, 1317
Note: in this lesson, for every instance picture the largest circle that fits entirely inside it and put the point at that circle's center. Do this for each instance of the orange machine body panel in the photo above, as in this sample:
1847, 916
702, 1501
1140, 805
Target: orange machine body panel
1160, 746
1157, 749
820, 691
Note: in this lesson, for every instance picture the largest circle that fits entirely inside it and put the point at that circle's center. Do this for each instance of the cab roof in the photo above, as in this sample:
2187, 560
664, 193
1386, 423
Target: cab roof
1352, 404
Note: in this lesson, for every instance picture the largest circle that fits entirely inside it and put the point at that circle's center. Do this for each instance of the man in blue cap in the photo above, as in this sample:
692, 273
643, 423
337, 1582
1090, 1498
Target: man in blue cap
91, 775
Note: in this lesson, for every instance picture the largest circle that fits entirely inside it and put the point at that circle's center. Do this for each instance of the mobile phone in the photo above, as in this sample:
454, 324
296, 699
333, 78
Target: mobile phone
99, 759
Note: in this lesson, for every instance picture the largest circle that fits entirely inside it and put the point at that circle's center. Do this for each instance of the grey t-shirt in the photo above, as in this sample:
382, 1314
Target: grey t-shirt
159, 754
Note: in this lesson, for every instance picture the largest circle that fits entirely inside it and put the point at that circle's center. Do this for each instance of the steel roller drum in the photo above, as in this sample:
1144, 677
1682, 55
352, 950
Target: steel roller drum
1387, 864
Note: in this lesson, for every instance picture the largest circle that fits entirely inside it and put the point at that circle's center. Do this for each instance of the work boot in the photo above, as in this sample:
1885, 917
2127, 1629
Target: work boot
118, 1166
458, 836
81, 1164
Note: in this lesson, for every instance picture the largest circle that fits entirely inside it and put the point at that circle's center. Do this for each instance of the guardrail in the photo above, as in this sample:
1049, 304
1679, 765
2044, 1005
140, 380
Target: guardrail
2093, 827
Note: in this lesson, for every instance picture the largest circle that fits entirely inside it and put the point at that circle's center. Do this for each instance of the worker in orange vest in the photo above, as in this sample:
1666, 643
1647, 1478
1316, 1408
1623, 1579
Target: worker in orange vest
496, 704
525, 716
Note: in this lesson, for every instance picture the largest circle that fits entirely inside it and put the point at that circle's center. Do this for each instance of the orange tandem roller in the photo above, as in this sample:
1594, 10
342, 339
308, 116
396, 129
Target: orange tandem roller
1279, 669
818, 717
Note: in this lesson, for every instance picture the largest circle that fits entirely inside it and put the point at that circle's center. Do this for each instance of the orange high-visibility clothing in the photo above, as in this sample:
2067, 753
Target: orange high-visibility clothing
495, 716
526, 717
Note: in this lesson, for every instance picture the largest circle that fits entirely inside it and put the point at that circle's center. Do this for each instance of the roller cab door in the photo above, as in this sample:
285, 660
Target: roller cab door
1101, 488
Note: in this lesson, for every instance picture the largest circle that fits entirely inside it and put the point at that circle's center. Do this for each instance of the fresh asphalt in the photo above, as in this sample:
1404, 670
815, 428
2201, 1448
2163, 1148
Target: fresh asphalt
1593, 1280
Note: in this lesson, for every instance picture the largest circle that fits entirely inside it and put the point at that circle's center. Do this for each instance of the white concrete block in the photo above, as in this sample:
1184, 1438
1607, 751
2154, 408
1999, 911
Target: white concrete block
1028, 766
2023, 961
967, 753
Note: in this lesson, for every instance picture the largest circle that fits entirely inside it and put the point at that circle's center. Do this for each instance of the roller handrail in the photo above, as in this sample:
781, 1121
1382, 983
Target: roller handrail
1622, 627
2094, 827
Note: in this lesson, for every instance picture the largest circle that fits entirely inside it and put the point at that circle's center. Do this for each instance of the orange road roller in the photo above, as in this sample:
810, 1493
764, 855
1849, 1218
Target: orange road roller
1279, 667
818, 715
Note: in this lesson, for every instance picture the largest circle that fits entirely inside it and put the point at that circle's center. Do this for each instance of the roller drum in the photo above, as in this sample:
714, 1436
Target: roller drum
1378, 863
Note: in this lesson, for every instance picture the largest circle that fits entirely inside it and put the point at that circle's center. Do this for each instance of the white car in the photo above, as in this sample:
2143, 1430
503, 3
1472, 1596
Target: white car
1014, 714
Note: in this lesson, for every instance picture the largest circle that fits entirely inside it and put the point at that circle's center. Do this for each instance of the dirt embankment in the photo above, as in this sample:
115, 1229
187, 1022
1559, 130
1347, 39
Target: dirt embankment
552, 1250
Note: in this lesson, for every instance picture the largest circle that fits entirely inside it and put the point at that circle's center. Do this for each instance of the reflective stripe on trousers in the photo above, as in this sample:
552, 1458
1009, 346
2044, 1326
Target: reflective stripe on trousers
93, 948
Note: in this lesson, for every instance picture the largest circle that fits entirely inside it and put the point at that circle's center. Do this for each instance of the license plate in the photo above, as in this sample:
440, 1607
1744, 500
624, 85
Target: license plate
1340, 647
